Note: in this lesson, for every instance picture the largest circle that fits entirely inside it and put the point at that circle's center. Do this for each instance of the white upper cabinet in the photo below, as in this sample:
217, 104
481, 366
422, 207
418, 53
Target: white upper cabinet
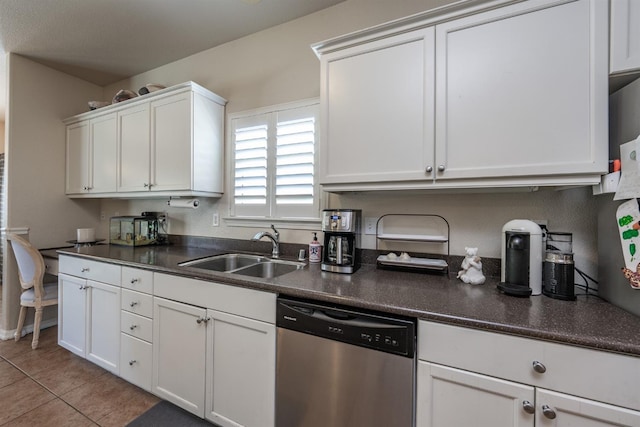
91, 153
506, 97
625, 36
522, 92
134, 143
378, 110
168, 143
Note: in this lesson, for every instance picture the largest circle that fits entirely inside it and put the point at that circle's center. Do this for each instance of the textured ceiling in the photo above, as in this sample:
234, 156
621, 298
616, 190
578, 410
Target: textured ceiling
103, 41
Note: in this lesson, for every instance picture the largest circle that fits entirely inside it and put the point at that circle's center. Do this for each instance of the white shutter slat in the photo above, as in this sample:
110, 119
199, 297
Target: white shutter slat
295, 162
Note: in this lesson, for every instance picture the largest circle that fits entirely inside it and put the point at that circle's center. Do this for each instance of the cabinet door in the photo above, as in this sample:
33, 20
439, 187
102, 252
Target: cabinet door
377, 105
523, 91
133, 160
240, 371
171, 150
563, 410
625, 35
450, 397
103, 325
179, 338
77, 176
72, 310
104, 154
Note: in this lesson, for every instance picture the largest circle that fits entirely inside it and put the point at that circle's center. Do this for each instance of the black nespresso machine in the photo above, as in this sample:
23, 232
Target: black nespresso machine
341, 229
521, 270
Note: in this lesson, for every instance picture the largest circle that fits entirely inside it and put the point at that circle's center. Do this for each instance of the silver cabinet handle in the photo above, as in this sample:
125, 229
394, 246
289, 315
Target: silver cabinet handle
134, 281
82, 287
429, 169
131, 362
528, 407
132, 327
548, 412
84, 269
441, 168
133, 304
202, 319
539, 367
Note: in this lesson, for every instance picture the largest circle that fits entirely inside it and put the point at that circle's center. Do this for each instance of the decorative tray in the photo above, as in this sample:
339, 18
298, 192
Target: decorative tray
414, 263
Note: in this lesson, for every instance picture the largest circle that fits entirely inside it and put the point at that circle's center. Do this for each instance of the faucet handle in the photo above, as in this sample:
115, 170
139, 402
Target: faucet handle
277, 235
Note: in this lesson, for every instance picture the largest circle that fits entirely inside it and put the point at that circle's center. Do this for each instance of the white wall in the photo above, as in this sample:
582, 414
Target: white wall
1, 137
38, 99
277, 65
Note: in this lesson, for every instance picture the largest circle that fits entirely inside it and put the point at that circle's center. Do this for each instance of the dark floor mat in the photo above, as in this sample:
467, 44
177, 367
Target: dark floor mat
169, 415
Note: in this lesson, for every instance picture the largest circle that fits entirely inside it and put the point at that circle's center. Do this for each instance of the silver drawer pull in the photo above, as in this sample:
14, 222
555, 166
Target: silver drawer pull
131, 362
528, 407
132, 327
539, 367
134, 281
548, 412
133, 304
84, 269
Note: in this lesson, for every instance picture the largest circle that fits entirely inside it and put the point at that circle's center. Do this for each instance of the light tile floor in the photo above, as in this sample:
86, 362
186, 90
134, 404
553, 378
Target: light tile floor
50, 386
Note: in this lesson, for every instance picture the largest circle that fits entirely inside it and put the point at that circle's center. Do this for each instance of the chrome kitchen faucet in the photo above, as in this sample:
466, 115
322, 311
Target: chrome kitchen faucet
275, 240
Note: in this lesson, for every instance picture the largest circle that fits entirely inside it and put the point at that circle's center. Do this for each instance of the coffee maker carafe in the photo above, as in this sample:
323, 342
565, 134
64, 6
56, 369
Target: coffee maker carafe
341, 229
521, 271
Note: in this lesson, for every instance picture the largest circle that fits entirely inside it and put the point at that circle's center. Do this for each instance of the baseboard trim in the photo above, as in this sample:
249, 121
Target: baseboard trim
7, 334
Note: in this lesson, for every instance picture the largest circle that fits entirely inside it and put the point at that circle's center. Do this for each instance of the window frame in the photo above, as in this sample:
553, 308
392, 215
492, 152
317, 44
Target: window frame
269, 215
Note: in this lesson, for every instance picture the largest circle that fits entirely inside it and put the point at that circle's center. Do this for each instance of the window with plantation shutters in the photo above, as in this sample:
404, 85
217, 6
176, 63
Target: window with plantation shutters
274, 163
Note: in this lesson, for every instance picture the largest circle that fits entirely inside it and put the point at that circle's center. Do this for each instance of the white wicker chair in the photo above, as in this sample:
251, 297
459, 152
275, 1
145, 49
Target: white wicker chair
35, 293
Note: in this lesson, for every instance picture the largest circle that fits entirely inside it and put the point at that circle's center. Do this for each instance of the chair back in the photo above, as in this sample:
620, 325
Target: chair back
30, 264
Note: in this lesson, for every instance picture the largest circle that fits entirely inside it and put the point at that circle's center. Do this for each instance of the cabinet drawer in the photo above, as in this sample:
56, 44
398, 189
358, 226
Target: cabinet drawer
607, 377
136, 361
243, 302
138, 326
137, 302
51, 266
91, 270
137, 279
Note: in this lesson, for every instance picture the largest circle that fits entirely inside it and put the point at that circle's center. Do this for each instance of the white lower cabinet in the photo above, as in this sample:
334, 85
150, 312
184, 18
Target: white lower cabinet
240, 371
136, 321
89, 321
471, 377
179, 338
453, 397
217, 363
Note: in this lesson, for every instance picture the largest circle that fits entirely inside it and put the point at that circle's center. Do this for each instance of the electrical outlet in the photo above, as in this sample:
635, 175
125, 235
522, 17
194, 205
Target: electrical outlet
103, 216
370, 225
216, 219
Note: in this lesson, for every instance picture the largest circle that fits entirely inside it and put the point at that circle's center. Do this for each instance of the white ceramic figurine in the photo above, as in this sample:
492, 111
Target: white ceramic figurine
471, 268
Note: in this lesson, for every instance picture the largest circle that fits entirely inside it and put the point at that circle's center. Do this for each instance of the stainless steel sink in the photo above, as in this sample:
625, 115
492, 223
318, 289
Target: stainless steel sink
245, 264
226, 262
269, 269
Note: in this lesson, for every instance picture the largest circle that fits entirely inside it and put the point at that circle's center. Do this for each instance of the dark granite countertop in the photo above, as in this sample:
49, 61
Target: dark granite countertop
589, 321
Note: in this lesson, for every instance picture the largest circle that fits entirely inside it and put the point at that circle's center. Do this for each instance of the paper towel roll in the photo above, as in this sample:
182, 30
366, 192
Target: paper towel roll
85, 235
184, 203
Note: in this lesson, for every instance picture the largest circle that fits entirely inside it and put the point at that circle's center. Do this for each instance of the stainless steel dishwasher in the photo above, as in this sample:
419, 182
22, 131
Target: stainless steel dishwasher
341, 367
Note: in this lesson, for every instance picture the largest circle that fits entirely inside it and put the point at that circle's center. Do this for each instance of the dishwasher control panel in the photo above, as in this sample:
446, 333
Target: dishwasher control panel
378, 331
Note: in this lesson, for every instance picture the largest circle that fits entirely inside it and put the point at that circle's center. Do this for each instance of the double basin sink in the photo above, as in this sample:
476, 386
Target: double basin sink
245, 264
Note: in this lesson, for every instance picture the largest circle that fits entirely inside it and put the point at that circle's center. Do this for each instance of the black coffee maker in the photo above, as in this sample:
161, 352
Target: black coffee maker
521, 273
341, 229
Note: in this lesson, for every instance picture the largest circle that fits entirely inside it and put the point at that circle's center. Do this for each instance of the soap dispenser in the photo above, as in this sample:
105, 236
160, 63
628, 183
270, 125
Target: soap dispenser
315, 250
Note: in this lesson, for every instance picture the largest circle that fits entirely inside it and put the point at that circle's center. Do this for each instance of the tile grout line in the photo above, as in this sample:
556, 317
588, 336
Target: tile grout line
56, 396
